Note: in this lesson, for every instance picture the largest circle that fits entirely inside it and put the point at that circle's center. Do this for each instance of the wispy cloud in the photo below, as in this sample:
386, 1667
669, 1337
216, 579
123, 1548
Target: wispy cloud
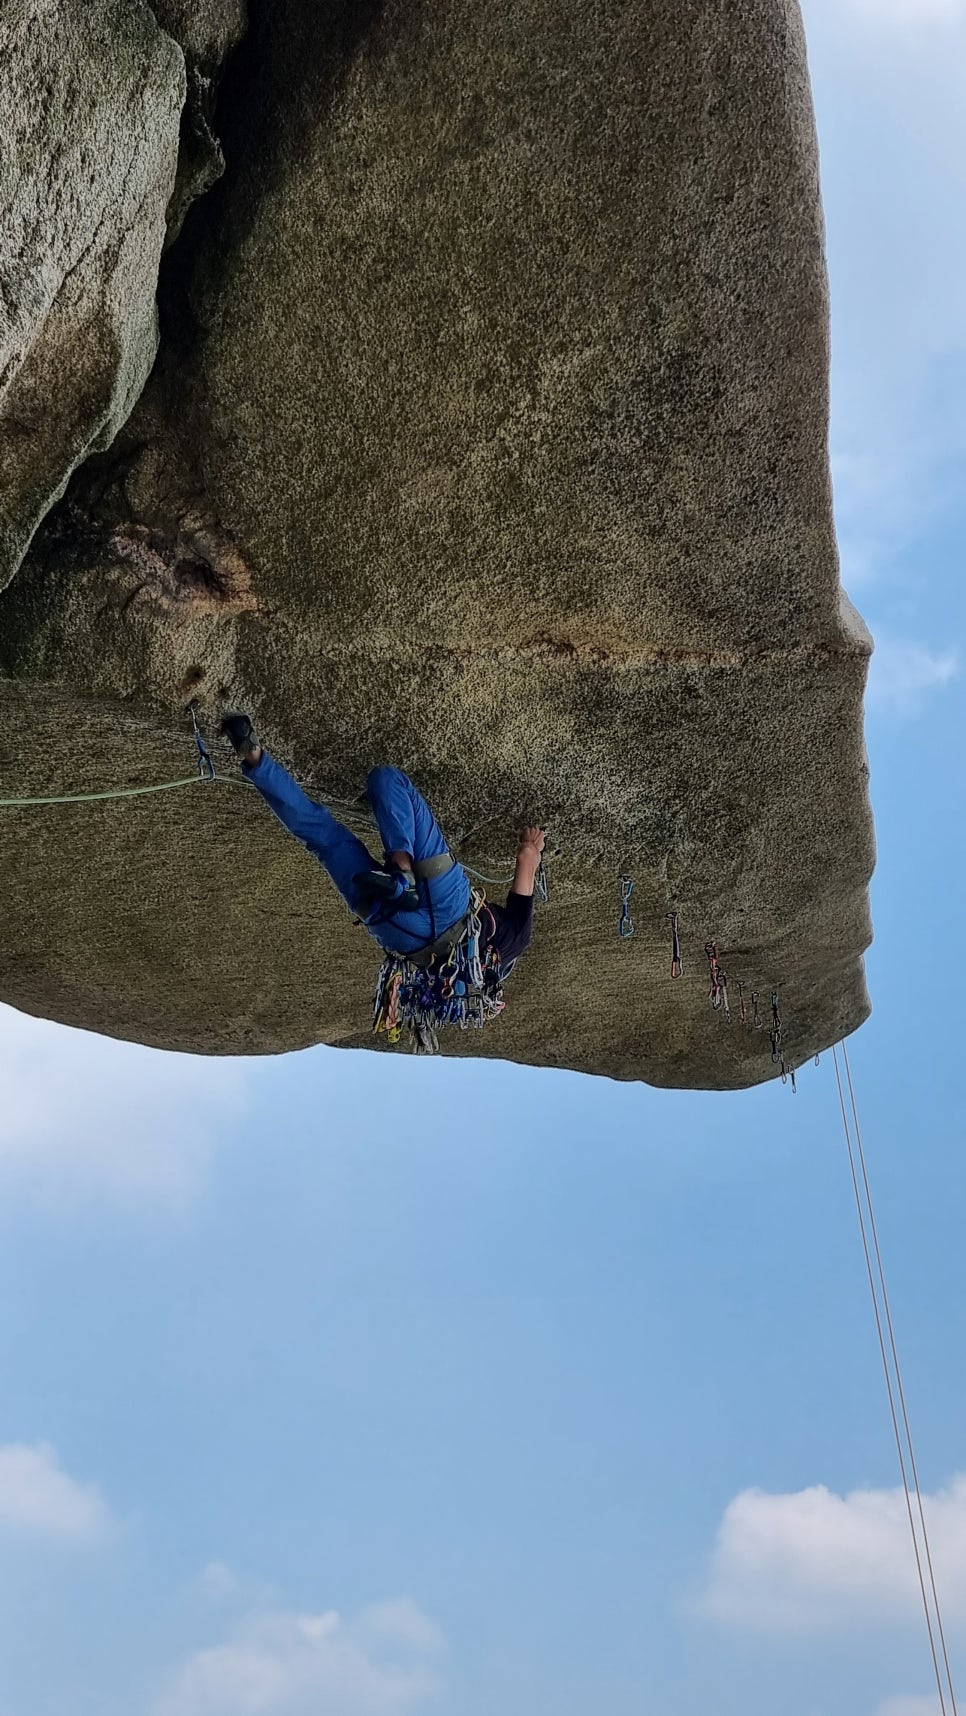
910, 12
219, 1581
81, 1111
378, 1663
39, 1497
903, 675
814, 1560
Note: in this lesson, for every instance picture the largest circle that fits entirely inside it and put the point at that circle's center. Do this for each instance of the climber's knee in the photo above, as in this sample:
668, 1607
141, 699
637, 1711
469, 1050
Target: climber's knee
382, 777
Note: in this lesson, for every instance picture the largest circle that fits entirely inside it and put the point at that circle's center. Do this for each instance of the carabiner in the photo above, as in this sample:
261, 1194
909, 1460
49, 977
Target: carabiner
206, 768
626, 926
677, 963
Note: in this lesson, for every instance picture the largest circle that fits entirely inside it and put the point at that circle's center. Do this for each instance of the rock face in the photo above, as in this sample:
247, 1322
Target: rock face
206, 31
91, 93
488, 435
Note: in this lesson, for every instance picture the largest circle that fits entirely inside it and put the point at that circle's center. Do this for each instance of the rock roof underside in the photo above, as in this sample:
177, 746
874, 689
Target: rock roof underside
488, 436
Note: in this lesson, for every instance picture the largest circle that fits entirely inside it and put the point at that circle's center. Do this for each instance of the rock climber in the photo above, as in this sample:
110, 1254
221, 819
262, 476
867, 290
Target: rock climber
448, 950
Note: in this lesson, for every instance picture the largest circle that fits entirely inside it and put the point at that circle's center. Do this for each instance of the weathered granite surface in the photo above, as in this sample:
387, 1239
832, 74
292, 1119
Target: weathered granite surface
206, 31
488, 435
91, 94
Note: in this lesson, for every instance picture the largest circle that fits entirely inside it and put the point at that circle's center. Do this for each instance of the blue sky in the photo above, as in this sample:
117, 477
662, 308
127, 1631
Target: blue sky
352, 1386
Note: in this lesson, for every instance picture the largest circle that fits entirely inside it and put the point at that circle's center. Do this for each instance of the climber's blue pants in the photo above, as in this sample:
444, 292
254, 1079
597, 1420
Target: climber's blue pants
406, 824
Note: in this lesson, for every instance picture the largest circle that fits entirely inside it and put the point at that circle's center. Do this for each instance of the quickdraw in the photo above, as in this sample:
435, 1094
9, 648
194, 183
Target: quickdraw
626, 926
465, 990
742, 1009
716, 992
756, 1020
206, 768
788, 1075
777, 1032
677, 963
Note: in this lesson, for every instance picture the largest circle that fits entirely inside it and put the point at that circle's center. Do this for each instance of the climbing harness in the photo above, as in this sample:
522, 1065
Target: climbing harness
894, 1388
465, 989
430, 869
677, 963
626, 925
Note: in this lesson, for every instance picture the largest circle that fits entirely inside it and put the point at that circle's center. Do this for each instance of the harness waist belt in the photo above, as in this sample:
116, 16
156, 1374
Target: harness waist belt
443, 944
428, 869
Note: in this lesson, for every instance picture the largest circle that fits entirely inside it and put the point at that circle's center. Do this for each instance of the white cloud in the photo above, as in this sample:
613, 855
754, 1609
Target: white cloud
221, 1587
903, 674
909, 1707
38, 1496
219, 1581
378, 1663
402, 1622
86, 1111
814, 1560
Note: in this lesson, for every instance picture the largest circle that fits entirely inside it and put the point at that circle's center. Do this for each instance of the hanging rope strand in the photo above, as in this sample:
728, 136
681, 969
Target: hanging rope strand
888, 1382
898, 1371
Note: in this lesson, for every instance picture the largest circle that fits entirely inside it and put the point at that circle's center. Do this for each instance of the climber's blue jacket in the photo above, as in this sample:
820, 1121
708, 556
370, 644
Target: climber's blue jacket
406, 824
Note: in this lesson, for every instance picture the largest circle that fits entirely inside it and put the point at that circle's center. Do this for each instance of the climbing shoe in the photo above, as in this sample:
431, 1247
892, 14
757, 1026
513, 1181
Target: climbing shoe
238, 728
395, 889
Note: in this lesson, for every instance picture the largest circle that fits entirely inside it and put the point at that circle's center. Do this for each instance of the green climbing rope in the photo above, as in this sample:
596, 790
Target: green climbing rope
489, 881
91, 797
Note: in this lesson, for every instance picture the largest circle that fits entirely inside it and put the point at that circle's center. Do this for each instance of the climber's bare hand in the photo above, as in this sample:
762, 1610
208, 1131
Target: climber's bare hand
534, 837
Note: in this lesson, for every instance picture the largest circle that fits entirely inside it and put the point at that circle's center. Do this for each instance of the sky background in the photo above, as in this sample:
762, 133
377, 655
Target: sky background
344, 1385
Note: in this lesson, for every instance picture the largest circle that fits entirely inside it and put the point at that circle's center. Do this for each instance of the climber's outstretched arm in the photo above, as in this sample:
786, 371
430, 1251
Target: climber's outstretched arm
529, 854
